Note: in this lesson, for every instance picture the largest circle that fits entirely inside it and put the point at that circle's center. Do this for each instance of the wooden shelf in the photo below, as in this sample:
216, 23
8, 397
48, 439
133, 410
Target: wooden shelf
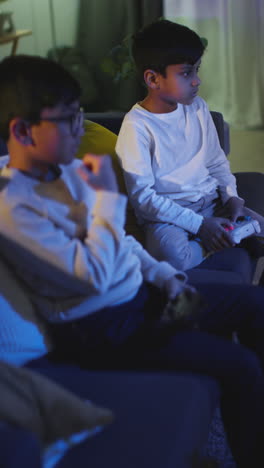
14, 37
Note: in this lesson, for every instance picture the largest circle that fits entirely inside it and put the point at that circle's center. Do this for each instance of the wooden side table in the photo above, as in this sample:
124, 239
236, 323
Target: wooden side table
14, 38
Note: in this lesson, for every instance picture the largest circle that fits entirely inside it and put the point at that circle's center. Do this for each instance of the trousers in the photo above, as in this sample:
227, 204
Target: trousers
169, 242
184, 250
128, 336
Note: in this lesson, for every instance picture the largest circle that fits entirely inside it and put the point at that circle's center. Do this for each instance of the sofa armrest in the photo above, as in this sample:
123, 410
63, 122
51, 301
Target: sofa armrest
250, 186
222, 128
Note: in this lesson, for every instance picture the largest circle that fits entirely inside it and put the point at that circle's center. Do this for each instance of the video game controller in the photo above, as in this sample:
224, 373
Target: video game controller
244, 226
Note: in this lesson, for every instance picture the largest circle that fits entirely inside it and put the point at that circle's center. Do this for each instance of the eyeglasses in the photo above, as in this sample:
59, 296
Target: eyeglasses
75, 121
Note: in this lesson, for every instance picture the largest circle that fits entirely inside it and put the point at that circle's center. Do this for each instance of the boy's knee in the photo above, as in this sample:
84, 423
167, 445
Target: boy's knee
189, 256
183, 262
178, 258
173, 246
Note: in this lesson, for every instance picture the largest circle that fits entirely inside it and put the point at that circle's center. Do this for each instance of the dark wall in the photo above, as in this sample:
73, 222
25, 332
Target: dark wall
102, 25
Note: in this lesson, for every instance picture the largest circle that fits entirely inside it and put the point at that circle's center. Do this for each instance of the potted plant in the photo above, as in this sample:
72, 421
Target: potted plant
2, 1
6, 22
118, 64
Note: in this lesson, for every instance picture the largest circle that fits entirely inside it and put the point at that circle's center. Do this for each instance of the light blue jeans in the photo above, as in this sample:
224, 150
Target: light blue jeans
180, 248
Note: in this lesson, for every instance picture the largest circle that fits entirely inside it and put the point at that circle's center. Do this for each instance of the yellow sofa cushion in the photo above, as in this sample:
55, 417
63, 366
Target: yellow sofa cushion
99, 140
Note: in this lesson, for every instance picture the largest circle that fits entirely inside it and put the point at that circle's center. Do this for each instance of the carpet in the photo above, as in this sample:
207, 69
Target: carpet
217, 446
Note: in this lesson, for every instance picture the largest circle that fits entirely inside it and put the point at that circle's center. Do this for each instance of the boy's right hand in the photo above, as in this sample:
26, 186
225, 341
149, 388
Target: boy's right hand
97, 171
213, 234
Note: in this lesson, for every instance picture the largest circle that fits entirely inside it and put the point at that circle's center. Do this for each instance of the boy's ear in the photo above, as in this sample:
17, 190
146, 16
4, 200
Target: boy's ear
151, 78
21, 131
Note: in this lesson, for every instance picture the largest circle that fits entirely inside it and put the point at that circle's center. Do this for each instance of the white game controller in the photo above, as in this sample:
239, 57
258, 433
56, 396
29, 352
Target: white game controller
243, 228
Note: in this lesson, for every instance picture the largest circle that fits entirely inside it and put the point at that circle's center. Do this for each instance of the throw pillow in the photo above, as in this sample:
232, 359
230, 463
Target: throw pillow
99, 140
59, 418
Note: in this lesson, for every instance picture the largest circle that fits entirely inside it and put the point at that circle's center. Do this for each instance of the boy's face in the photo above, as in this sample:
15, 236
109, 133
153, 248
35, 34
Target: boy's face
180, 85
54, 140
57, 137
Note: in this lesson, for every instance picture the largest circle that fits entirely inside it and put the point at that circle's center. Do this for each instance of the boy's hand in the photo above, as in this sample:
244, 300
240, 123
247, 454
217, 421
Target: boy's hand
213, 235
97, 171
233, 208
174, 286
182, 311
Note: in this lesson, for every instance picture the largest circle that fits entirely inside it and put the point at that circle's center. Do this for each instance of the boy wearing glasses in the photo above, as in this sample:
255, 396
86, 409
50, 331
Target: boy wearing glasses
107, 310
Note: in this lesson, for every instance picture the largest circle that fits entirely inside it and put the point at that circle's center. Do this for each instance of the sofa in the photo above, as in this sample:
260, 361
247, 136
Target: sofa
162, 419
235, 265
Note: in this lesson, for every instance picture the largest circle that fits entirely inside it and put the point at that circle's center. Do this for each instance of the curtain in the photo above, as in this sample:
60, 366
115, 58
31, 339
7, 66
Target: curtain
103, 24
232, 69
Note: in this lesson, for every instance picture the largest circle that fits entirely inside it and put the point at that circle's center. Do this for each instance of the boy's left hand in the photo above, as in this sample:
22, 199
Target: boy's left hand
234, 208
182, 310
97, 171
174, 286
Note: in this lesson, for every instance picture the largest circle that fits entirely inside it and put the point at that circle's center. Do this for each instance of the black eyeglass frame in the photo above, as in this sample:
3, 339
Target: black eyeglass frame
75, 120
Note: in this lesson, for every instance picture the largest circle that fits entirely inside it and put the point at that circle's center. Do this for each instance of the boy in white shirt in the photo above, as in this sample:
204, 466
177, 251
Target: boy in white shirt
177, 176
101, 293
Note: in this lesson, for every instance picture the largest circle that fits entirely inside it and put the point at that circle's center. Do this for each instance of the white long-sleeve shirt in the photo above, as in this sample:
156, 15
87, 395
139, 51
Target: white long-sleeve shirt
172, 157
80, 233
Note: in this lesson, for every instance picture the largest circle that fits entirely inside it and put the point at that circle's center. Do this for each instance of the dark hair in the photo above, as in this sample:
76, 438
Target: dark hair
28, 84
164, 43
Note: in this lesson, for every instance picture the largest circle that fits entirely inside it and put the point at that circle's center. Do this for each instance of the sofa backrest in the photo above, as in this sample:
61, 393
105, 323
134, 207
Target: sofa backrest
3, 147
113, 120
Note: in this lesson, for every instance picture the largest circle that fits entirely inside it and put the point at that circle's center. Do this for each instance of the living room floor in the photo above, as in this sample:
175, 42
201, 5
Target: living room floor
246, 150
